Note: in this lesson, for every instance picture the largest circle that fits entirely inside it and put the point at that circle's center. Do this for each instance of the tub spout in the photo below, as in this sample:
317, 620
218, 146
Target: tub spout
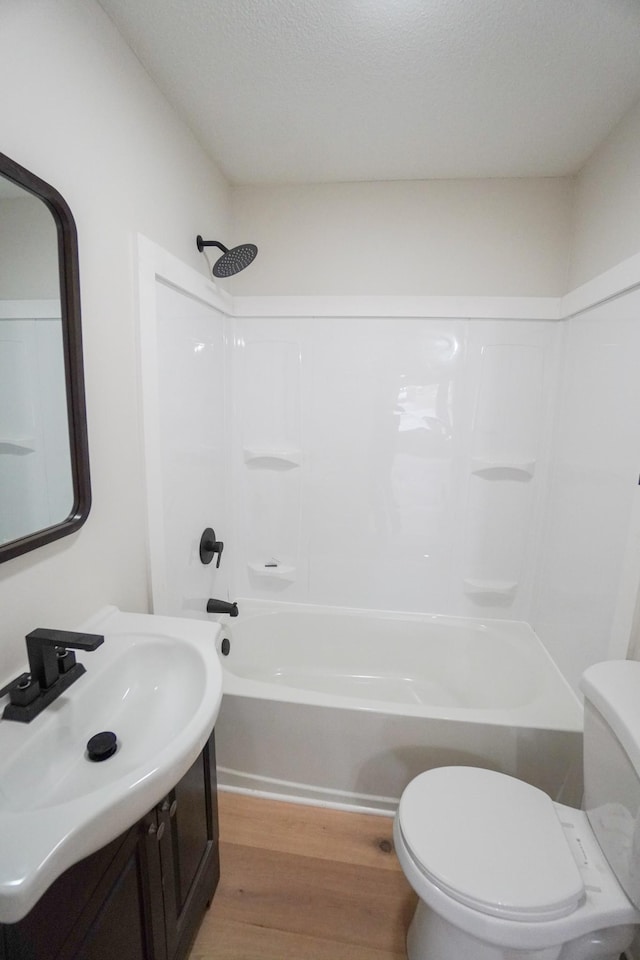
221, 606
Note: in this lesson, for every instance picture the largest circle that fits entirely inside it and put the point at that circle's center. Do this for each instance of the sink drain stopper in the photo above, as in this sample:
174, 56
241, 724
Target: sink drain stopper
102, 746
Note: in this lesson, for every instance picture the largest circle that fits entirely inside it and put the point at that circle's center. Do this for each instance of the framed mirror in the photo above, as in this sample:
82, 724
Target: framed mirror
45, 490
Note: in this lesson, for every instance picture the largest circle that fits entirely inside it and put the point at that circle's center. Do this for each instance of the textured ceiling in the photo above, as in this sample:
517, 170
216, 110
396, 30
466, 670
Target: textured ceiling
332, 90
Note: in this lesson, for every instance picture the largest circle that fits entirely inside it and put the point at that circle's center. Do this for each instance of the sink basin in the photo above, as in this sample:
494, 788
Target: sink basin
156, 683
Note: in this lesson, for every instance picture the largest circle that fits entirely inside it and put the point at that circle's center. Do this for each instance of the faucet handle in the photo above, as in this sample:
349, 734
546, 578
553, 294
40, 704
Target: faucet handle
22, 690
209, 546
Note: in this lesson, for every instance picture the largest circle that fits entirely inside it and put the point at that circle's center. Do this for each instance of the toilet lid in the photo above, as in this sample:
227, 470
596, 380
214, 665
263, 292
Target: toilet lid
491, 842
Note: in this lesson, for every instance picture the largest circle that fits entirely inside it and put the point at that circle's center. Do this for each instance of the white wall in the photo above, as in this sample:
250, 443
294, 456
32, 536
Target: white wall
442, 237
475, 237
607, 203
80, 112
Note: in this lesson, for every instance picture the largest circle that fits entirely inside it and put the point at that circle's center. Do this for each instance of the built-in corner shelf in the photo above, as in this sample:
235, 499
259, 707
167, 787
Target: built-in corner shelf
280, 571
521, 470
274, 458
485, 589
18, 448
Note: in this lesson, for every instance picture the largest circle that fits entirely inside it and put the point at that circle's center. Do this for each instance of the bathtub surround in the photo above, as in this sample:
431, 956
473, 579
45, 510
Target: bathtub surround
468, 467
383, 491
184, 383
403, 460
588, 565
409, 462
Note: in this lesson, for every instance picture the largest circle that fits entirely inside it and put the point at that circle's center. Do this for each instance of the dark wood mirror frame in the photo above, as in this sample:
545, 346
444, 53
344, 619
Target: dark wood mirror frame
73, 363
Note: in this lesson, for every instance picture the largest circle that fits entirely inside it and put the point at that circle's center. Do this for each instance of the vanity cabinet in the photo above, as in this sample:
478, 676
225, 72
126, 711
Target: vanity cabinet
142, 896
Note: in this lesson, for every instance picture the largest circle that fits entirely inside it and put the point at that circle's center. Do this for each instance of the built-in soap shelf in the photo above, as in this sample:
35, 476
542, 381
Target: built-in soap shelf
18, 448
278, 571
503, 469
274, 458
504, 589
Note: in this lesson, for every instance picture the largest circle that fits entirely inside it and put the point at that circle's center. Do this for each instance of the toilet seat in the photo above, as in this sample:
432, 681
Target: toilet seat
490, 842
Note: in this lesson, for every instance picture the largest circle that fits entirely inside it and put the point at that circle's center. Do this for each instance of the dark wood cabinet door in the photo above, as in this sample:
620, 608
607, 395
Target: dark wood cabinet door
107, 906
189, 851
42, 934
129, 924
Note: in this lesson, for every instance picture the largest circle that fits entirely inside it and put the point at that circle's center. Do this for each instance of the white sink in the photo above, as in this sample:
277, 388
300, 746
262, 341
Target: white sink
156, 683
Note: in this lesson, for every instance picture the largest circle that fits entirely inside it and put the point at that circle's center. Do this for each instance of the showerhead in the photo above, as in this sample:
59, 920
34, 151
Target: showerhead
232, 260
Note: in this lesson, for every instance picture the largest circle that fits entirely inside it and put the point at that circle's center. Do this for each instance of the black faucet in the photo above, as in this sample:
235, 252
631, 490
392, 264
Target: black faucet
52, 670
47, 652
221, 606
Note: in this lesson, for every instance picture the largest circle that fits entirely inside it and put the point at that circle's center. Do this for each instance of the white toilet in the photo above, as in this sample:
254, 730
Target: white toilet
504, 873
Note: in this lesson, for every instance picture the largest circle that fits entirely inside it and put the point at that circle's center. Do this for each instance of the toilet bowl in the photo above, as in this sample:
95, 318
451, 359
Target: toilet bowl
502, 873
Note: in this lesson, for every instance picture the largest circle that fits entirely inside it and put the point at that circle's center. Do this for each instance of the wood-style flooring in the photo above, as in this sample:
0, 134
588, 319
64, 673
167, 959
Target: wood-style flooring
304, 883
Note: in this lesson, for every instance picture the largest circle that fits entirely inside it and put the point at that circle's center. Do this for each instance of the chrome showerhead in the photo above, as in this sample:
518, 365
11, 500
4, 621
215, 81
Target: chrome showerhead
232, 260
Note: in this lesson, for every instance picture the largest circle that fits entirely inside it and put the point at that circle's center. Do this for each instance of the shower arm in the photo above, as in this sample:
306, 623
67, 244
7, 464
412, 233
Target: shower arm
201, 244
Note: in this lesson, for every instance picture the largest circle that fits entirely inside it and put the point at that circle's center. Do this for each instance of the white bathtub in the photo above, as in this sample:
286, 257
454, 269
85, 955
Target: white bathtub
344, 707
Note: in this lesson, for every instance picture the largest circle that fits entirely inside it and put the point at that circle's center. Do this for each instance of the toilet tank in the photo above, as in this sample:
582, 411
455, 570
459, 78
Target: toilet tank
612, 765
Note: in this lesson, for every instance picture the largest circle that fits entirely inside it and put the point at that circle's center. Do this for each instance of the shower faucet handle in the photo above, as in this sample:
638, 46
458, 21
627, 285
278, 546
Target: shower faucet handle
209, 547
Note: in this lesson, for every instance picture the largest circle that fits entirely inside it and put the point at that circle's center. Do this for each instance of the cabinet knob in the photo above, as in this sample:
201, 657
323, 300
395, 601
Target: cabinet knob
158, 831
171, 806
